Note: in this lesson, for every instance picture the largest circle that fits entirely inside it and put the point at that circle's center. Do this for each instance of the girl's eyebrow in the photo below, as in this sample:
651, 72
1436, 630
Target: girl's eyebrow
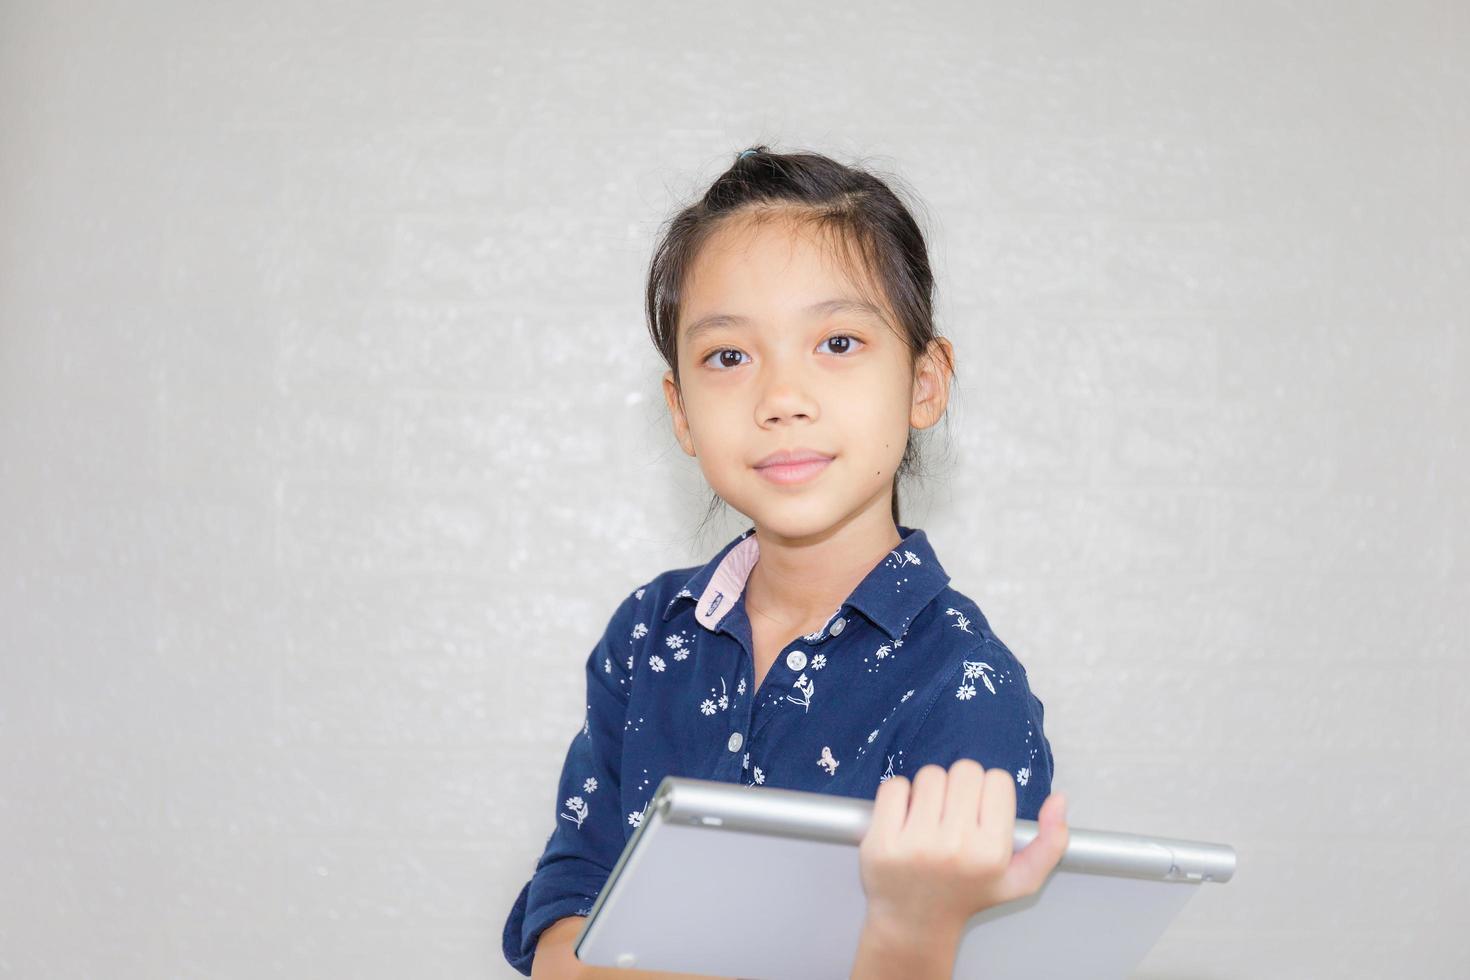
825, 308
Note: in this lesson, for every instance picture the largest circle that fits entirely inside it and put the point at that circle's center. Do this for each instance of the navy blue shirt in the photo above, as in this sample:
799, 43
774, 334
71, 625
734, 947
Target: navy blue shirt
904, 673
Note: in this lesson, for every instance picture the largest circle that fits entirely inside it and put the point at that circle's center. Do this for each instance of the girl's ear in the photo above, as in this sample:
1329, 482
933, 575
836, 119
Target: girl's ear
931, 384
676, 412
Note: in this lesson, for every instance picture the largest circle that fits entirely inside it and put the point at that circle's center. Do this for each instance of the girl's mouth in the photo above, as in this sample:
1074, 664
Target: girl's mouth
789, 473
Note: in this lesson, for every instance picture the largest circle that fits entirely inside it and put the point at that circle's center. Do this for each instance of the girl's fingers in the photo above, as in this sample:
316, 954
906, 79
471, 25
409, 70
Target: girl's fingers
890, 806
926, 798
962, 799
1030, 866
994, 836
998, 805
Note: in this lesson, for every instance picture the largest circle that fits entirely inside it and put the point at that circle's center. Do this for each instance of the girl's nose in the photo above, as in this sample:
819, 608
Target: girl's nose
786, 399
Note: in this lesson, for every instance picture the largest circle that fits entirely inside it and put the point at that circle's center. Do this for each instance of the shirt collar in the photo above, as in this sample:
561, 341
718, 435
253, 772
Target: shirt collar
890, 595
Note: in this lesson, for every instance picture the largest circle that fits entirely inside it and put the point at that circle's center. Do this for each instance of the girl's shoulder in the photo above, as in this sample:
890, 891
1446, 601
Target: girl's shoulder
967, 660
636, 622
958, 618
648, 601
954, 626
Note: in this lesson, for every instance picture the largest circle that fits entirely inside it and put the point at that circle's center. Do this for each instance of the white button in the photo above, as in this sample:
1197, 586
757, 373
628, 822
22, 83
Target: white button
736, 740
837, 625
796, 660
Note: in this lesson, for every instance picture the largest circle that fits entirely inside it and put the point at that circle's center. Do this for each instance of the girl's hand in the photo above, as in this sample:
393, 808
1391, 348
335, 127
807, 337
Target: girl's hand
940, 851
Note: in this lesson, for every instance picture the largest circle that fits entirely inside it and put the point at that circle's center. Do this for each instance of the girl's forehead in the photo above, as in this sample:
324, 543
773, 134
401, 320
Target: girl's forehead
770, 238
778, 265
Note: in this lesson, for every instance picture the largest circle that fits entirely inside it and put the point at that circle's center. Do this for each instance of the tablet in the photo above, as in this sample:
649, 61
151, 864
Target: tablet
763, 883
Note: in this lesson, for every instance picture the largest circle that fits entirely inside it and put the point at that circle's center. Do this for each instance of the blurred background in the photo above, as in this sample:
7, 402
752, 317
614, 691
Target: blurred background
330, 436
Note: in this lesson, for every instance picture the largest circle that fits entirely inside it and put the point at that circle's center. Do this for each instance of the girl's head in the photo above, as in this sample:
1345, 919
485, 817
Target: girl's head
793, 303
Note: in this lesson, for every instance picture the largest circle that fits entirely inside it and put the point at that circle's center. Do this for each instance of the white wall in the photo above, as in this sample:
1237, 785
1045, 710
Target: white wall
330, 434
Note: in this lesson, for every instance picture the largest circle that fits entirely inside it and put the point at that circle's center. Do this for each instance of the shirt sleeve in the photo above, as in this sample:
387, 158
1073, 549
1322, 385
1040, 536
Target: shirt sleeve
986, 711
588, 835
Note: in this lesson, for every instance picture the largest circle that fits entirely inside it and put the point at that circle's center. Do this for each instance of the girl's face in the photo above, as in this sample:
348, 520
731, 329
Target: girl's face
779, 351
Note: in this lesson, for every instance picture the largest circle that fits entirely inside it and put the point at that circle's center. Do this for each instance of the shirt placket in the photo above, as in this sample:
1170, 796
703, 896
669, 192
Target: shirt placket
737, 740
782, 676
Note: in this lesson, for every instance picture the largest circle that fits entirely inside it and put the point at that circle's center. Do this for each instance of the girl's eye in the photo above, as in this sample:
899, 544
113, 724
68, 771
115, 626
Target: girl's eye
724, 362
845, 347
844, 342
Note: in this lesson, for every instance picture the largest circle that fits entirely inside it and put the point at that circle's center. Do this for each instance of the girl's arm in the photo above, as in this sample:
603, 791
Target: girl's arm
588, 832
556, 961
887, 949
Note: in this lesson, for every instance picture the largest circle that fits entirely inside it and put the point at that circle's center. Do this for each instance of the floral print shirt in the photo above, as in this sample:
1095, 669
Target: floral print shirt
904, 673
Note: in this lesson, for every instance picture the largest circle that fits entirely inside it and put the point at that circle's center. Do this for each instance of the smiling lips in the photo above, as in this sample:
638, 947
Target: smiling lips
792, 466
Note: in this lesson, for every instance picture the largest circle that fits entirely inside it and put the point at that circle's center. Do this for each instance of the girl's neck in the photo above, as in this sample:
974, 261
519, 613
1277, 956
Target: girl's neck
795, 583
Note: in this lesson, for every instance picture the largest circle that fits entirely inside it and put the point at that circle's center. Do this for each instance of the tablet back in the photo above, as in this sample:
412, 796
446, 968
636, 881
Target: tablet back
764, 883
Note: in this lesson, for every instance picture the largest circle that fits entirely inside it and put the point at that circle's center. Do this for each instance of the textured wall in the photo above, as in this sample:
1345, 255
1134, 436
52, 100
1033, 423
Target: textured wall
330, 435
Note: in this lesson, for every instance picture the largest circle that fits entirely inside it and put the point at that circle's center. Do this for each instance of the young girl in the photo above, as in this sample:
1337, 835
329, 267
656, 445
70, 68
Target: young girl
821, 649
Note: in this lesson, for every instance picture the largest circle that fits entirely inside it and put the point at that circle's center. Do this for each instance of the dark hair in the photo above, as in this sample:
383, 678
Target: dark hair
870, 227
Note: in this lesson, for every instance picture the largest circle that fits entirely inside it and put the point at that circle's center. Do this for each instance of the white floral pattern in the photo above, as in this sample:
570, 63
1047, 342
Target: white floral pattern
807, 687
961, 622
679, 644
713, 703
657, 663
974, 669
578, 808
827, 761
904, 558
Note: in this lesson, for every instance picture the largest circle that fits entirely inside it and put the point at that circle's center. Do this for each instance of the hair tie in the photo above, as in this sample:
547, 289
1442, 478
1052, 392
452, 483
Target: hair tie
744, 154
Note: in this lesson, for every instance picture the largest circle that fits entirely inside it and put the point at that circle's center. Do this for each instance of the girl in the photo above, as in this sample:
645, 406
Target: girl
821, 649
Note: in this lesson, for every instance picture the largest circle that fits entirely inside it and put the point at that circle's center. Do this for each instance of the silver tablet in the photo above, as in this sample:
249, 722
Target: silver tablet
764, 883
